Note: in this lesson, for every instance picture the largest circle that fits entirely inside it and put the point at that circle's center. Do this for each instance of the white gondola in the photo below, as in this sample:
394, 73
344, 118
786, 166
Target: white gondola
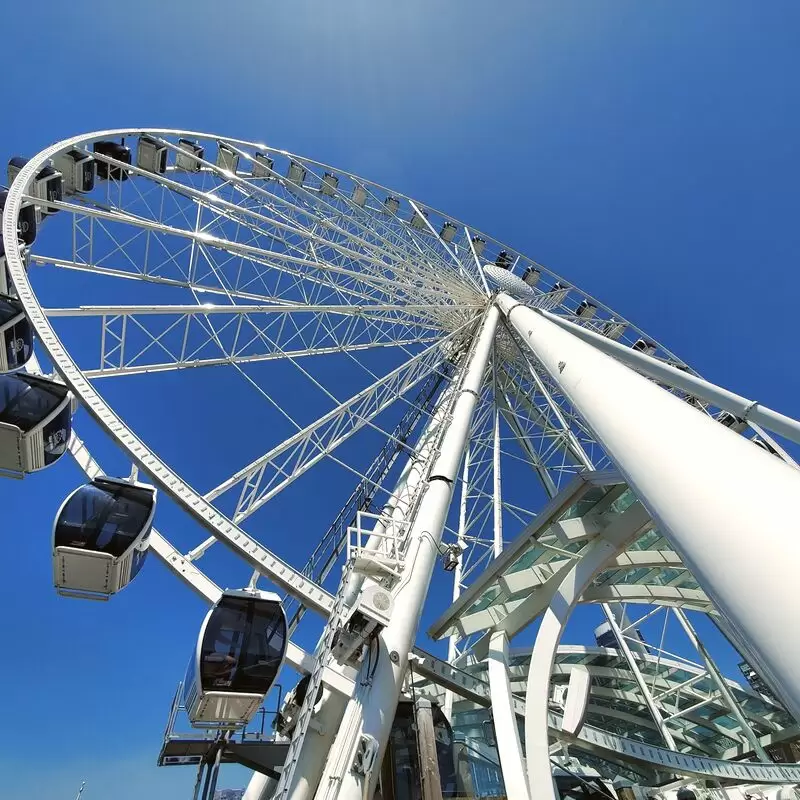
227, 158
359, 195
585, 310
78, 170
296, 173
119, 152
418, 221
6, 284
16, 334
531, 276
613, 329
643, 346
151, 155
35, 422
391, 204
731, 421
48, 183
448, 232
188, 155
100, 537
263, 165
503, 260
239, 652
478, 244
330, 183
26, 231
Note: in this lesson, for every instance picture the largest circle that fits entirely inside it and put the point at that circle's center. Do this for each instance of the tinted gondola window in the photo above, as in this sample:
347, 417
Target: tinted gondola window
243, 645
25, 402
106, 517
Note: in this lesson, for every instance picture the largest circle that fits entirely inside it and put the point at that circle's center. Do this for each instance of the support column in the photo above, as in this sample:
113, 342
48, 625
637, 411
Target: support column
497, 492
724, 690
428, 759
261, 787
509, 747
724, 504
369, 714
452, 644
654, 710
599, 552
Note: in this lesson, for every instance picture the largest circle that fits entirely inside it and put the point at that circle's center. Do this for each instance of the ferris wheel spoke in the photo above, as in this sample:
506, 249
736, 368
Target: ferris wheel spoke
340, 280
201, 234
283, 222
136, 339
263, 478
193, 285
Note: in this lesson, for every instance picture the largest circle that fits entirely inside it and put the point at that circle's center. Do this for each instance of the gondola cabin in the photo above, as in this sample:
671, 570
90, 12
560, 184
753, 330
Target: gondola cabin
359, 195
26, 234
151, 155
47, 185
16, 334
188, 155
330, 183
263, 165
26, 223
117, 151
239, 653
504, 260
35, 422
100, 537
227, 158
78, 170
478, 245
296, 173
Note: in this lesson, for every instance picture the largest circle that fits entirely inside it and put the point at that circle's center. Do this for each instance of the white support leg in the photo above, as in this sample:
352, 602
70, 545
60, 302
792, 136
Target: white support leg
509, 747
724, 689
370, 712
497, 491
751, 411
723, 503
566, 596
655, 713
452, 644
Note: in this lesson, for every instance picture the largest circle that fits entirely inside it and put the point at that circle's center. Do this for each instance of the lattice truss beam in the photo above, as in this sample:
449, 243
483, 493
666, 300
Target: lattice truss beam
218, 233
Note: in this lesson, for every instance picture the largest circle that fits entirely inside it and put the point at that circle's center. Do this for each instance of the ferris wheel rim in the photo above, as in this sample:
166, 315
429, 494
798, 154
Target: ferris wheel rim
37, 161
101, 411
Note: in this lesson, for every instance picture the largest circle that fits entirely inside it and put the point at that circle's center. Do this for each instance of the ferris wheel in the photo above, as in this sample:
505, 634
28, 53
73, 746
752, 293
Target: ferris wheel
427, 366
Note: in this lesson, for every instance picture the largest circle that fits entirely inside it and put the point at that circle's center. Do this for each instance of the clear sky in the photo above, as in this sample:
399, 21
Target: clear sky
649, 152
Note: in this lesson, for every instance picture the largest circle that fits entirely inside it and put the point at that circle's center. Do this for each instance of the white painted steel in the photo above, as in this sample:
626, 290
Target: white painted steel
720, 683
714, 495
577, 702
750, 411
509, 746
569, 590
650, 702
371, 711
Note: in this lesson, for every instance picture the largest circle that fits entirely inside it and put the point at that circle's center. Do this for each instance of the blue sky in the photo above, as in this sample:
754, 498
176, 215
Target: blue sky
646, 151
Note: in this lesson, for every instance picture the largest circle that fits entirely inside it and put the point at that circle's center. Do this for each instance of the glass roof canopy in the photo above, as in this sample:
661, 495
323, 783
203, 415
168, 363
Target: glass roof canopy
516, 587
616, 706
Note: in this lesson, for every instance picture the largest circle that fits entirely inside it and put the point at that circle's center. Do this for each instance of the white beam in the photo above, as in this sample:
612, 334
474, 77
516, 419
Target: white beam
714, 495
750, 411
